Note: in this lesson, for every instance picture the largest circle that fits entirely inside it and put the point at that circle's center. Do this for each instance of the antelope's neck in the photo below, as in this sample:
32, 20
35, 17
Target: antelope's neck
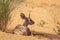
25, 24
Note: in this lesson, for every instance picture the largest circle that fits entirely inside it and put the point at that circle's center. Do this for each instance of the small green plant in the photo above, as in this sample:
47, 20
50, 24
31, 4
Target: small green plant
58, 26
42, 23
58, 30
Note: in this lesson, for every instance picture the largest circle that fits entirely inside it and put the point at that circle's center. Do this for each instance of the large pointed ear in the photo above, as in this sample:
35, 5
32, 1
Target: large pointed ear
29, 15
22, 15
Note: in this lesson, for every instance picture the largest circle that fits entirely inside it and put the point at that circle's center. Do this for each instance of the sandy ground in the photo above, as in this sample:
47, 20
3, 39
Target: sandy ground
40, 10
